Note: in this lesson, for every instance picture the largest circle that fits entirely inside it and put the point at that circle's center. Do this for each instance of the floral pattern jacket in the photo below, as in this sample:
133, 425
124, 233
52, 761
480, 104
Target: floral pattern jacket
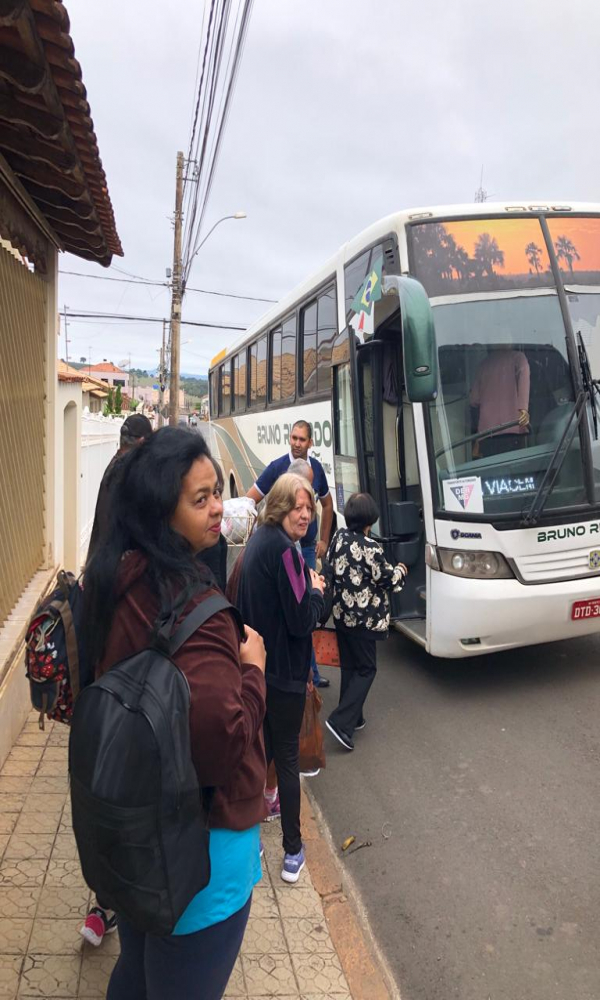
362, 579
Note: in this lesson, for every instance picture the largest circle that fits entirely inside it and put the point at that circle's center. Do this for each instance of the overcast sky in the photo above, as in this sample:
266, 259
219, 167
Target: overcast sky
344, 111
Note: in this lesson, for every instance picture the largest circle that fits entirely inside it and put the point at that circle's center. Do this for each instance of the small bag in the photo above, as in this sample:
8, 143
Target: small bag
326, 648
56, 666
312, 752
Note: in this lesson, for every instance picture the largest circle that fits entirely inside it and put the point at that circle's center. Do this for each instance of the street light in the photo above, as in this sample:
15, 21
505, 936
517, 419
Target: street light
237, 215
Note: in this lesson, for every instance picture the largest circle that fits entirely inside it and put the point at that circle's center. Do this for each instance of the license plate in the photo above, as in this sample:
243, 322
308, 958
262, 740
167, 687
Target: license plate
583, 610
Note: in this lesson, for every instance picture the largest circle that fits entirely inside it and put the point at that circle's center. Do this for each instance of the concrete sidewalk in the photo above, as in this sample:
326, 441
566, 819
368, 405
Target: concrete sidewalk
302, 940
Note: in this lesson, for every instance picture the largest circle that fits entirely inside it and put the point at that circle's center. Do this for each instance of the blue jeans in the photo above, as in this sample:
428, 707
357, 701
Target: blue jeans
191, 966
309, 554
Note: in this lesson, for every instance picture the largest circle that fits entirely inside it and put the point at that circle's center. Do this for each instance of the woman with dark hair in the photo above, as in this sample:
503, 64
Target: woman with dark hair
216, 556
361, 610
283, 599
166, 509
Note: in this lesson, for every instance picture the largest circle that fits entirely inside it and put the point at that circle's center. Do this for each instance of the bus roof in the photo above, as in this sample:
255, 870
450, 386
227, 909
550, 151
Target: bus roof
396, 222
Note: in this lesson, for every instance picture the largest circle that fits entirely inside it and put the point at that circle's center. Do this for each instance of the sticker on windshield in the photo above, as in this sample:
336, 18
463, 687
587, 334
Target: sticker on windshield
463, 495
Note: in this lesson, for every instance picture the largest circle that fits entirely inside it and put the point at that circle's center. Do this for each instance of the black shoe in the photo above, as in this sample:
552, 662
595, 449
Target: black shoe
360, 725
343, 738
323, 682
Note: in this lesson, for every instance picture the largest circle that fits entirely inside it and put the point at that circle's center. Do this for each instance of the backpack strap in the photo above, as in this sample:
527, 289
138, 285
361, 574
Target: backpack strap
201, 613
72, 649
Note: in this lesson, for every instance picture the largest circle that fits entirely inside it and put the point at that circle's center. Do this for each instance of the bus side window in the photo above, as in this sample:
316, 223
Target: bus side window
288, 358
327, 329
309, 349
345, 440
225, 390
275, 365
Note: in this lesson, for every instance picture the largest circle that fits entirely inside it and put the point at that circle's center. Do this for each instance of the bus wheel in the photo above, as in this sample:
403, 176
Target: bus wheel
233, 490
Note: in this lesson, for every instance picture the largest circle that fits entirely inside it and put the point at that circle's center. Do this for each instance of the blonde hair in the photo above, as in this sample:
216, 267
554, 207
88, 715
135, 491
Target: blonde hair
281, 498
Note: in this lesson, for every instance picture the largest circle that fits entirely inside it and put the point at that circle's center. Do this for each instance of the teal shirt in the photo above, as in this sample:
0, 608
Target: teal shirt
235, 868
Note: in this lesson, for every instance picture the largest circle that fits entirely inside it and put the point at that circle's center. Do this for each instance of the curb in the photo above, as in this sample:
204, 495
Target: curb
362, 960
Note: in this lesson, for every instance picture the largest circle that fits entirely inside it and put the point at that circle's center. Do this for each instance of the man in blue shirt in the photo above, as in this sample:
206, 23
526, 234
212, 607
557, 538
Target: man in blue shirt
300, 443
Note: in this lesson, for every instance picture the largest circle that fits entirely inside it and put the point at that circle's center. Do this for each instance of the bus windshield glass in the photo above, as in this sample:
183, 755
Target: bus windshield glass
506, 392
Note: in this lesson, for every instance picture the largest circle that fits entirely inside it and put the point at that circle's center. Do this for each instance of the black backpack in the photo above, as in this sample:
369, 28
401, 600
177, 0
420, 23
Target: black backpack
138, 813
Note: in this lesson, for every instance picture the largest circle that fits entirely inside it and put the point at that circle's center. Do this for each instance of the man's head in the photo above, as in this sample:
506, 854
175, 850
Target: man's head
136, 429
300, 439
301, 467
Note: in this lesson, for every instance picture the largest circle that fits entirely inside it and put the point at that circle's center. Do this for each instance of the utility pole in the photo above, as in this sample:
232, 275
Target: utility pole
176, 297
162, 377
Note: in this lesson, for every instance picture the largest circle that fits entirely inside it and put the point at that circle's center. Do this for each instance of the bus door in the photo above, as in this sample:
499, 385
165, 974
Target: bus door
390, 471
370, 454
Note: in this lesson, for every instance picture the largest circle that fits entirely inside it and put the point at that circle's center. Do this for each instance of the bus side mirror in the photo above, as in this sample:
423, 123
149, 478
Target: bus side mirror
419, 346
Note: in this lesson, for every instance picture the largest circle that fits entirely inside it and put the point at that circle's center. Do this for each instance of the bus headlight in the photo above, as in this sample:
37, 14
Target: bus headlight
474, 565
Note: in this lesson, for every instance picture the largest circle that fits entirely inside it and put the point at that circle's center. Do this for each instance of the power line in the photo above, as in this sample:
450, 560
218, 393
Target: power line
213, 119
165, 284
87, 315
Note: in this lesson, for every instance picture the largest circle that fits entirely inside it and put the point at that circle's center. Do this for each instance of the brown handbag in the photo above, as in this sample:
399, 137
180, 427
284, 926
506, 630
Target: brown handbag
312, 751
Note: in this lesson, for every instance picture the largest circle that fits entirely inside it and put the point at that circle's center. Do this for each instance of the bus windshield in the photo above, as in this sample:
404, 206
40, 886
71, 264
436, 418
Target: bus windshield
506, 391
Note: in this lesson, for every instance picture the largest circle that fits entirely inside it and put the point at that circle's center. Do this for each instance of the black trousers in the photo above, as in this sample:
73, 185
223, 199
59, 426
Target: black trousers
191, 966
358, 663
282, 725
501, 443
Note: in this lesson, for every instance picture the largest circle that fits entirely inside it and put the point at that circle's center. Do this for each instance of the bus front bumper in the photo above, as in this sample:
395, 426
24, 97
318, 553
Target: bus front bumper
471, 617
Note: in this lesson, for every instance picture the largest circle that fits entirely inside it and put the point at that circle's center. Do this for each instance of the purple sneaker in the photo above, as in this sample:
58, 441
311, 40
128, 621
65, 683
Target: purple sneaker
292, 866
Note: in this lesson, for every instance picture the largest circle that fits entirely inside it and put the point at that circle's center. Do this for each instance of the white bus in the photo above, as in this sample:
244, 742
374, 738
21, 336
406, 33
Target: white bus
446, 360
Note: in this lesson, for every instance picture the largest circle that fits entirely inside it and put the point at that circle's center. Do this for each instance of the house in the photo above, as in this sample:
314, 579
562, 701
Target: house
110, 374
53, 198
93, 391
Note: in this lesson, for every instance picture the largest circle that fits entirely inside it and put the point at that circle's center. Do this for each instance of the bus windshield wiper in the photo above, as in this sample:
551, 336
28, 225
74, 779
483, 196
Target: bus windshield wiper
556, 461
590, 385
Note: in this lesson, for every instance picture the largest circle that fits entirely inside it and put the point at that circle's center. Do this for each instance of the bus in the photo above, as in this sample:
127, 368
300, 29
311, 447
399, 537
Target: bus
447, 360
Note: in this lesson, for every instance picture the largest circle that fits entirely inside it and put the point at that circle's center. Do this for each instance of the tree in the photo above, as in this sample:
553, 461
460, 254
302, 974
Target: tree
534, 254
487, 253
118, 400
109, 404
566, 250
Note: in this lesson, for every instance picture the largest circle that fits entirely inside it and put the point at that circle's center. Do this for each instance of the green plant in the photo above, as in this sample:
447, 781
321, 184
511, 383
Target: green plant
118, 400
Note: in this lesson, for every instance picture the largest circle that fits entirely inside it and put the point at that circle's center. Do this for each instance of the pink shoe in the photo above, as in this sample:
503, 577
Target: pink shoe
98, 923
273, 809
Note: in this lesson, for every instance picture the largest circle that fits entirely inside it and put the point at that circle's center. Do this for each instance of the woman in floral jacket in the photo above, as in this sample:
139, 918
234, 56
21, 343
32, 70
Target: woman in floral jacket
361, 609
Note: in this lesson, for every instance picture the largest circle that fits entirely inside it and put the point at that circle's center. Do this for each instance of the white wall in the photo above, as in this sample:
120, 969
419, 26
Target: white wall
99, 443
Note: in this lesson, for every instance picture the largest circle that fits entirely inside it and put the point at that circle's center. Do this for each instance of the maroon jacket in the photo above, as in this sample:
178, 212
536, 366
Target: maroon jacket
228, 697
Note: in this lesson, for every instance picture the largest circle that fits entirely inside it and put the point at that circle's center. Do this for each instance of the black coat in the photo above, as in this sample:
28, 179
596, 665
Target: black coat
276, 597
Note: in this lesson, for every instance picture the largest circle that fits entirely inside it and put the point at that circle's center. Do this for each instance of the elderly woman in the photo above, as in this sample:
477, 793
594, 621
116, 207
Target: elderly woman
282, 599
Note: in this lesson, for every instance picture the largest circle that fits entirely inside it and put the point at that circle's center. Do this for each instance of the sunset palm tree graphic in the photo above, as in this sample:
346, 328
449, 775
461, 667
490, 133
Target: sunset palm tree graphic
487, 253
566, 250
533, 253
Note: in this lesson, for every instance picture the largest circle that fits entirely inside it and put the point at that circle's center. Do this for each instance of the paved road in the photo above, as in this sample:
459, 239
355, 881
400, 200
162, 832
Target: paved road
485, 773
